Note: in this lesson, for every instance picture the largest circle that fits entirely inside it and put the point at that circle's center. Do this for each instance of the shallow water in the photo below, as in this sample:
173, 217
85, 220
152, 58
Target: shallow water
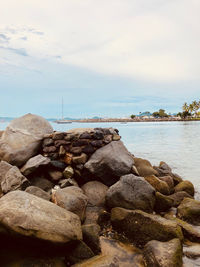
177, 143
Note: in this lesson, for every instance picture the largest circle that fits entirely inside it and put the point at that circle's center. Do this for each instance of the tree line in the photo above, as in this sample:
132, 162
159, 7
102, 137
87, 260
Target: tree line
190, 109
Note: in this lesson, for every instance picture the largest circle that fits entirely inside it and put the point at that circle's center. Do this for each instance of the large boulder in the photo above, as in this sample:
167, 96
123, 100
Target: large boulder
144, 167
34, 163
141, 227
96, 193
36, 191
110, 162
131, 192
4, 168
72, 199
189, 210
31, 216
22, 138
163, 254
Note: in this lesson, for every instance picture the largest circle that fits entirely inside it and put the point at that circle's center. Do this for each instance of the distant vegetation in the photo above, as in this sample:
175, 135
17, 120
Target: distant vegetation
190, 110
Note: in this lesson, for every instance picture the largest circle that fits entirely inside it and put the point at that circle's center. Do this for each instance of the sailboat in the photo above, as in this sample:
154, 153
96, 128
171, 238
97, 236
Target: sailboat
62, 121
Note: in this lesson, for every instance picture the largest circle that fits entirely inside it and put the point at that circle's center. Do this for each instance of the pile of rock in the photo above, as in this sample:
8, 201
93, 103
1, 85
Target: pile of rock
78, 194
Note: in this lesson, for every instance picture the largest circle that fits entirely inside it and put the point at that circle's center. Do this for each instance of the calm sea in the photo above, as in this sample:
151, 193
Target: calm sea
176, 143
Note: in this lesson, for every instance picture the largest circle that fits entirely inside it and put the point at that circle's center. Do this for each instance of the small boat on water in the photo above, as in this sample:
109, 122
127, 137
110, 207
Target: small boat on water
62, 121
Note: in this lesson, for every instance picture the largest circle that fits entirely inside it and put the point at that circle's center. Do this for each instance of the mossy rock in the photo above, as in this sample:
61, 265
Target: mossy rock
189, 210
144, 167
159, 185
163, 203
186, 186
178, 197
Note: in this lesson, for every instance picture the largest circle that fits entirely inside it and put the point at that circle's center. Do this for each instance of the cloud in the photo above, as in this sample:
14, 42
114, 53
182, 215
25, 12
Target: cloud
19, 51
4, 38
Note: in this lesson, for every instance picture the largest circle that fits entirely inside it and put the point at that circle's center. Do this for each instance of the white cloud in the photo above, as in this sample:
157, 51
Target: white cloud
151, 40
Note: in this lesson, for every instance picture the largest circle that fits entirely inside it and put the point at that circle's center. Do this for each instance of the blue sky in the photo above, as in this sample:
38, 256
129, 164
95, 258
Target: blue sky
105, 58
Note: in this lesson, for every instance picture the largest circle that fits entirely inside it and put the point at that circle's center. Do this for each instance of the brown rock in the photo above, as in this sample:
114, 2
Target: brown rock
68, 158
159, 185
38, 192
189, 210
144, 167
178, 197
80, 159
169, 180
58, 136
49, 149
186, 186
76, 150
55, 175
4, 168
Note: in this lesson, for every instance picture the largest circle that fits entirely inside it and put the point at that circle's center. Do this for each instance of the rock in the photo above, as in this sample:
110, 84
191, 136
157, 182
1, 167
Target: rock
186, 186
55, 175
47, 142
110, 162
34, 163
169, 180
67, 182
144, 167
42, 183
80, 142
85, 135
163, 254
92, 214
72, 199
68, 172
96, 193
159, 185
141, 227
116, 137
189, 211
98, 134
58, 165
35, 217
62, 151
34, 190
107, 139
178, 197
14, 180
97, 143
192, 251
49, 149
68, 158
58, 136
177, 179
163, 203
80, 159
89, 149
78, 252
76, 150
22, 138
163, 165
59, 143
91, 234
131, 192
4, 168
35, 262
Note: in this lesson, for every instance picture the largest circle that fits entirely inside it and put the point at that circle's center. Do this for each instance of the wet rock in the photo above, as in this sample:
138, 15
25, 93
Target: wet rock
131, 192
35, 217
38, 192
178, 197
14, 180
4, 168
96, 193
141, 227
163, 254
144, 167
163, 203
34, 163
159, 185
80, 159
22, 138
186, 186
91, 234
189, 210
72, 199
68, 172
110, 162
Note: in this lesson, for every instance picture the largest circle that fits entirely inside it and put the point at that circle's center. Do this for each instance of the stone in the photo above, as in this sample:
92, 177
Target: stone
62, 151
189, 211
34, 217
80, 159
68, 172
163, 165
22, 138
48, 142
61, 143
107, 139
58, 165
163, 254
159, 185
116, 137
141, 227
98, 134
109, 163
49, 149
58, 136
96, 193
34, 190
33, 261
85, 135
186, 186
55, 175
80, 142
67, 182
68, 158
163, 203
192, 251
169, 180
162, 172
131, 192
97, 143
177, 179
91, 234
4, 168
79, 131
14, 180
89, 149
34, 163
92, 214
144, 167
42, 183
76, 150
72, 199
178, 197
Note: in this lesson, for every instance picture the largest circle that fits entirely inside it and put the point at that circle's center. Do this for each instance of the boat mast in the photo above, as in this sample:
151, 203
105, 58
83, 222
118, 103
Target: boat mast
62, 107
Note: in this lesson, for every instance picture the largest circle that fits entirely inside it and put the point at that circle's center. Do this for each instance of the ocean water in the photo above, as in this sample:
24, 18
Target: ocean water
176, 143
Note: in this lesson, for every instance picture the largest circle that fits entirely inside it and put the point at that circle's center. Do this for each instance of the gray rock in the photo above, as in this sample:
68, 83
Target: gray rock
178, 197
110, 162
96, 193
163, 254
34, 163
91, 234
4, 168
22, 138
34, 190
141, 227
42, 183
35, 217
14, 180
131, 192
72, 199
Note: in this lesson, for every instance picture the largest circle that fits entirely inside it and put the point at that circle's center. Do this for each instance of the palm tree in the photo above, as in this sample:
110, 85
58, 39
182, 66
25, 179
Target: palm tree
185, 107
195, 105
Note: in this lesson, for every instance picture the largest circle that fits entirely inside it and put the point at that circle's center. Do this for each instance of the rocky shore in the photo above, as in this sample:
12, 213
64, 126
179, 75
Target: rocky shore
80, 198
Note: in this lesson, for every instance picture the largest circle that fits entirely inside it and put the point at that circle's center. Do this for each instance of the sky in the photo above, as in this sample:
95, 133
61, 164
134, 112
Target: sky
104, 58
